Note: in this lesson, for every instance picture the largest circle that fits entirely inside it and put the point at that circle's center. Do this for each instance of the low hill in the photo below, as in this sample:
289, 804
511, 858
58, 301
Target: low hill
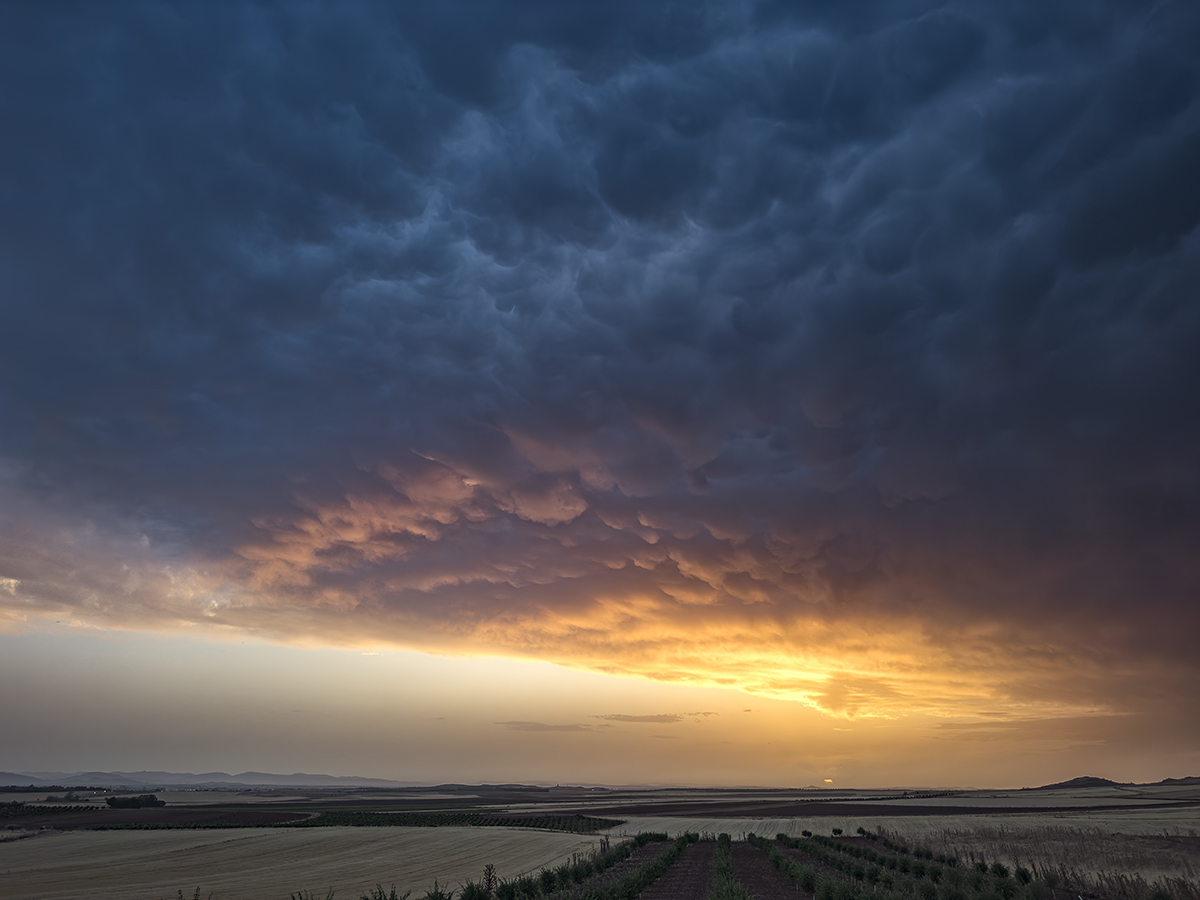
1084, 781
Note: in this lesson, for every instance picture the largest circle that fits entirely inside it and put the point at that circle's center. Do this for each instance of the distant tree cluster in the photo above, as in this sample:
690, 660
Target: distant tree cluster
139, 802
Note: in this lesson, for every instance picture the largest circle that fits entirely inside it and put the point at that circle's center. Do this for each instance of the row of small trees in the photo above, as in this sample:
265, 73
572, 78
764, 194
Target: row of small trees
141, 801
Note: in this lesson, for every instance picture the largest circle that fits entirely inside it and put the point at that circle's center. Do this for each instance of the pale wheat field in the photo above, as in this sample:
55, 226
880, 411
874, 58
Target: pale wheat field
268, 863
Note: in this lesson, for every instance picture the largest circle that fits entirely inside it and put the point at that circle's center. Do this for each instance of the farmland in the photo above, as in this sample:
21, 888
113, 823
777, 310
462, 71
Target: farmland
1108, 842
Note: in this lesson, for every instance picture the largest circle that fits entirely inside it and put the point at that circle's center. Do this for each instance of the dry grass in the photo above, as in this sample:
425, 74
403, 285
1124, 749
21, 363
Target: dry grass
270, 863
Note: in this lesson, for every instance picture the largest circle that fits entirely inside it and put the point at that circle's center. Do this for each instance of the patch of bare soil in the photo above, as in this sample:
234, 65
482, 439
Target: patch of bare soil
690, 878
760, 878
160, 816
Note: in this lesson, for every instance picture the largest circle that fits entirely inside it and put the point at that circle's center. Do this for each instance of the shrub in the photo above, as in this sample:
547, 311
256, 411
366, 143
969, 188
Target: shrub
378, 893
143, 800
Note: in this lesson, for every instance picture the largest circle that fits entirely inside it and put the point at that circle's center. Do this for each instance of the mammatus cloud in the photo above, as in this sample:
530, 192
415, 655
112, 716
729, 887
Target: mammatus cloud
840, 355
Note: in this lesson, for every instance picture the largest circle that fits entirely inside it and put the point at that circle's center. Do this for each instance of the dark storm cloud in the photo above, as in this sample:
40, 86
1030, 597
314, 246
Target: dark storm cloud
469, 320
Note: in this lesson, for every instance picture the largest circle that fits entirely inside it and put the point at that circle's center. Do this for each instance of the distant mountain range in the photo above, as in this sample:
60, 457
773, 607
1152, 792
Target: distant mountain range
225, 781
210, 780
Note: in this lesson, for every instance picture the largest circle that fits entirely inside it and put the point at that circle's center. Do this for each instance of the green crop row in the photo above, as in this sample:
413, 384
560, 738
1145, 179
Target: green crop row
834, 853
878, 883
630, 885
565, 877
869, 853
924, 865
725, 884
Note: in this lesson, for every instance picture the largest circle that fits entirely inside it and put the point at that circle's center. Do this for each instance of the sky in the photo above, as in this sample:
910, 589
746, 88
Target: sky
631, 392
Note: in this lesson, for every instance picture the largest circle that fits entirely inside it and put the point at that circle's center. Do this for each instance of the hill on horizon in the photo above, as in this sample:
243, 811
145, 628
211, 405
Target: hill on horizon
1083, 781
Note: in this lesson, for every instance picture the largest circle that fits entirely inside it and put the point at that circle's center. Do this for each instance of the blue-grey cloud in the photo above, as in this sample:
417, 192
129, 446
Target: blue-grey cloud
457, 317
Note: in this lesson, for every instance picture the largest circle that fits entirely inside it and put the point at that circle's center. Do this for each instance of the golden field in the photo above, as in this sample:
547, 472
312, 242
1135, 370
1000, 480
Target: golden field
1121, 842
267, 863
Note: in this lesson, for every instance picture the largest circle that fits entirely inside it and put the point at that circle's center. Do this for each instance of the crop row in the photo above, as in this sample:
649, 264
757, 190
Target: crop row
835, 853
725, 884
576, 824
562, 880
631, 884
925, 864
850, 879
17, 808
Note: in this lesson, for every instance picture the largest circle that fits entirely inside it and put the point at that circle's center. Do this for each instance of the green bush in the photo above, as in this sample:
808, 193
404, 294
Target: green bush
378, 893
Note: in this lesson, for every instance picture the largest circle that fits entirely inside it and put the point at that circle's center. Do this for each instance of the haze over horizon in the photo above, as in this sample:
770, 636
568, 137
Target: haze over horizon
225, 780
747, 392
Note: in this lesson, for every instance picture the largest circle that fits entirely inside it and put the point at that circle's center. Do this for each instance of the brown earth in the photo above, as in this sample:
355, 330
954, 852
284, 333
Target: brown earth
238, 817
760, 878
689, 878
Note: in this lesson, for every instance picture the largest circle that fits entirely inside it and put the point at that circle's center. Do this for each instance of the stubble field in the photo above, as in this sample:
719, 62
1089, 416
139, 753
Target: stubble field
1117, 843
263, 863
